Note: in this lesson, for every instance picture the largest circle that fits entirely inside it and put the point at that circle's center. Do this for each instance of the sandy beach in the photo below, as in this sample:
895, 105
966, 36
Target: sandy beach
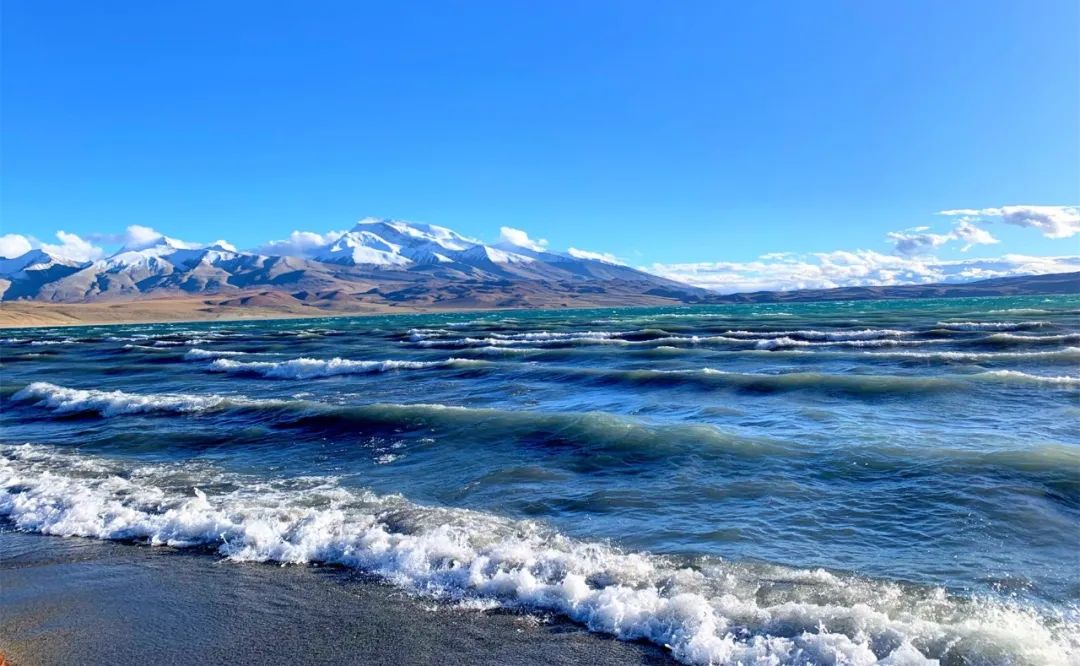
78, 601
27, 314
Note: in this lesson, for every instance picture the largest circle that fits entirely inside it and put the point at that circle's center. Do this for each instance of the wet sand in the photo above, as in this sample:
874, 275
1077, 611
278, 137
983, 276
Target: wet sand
80, 601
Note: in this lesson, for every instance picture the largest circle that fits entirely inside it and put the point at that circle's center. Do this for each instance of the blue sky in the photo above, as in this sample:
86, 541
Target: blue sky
695, 132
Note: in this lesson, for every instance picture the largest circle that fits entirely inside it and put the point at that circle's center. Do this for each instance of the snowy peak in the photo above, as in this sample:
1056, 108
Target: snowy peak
415, 235
401, 262
212, 255
144, 255
167, 252
393, 243
362, 247
35, 260
488, 253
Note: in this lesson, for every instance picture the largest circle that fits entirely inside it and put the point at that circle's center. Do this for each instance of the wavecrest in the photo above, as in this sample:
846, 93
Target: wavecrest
309, 368
810, 334
199, 354
419, 334
992, 325
785, 341
1023, 377
593, 430
64, 400
1066, 354
708, 612
490, 341
1019, 339
1021, 311
853, 384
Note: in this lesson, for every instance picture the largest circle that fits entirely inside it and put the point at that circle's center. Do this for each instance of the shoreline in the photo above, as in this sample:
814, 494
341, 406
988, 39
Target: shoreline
163, 311
30, 314
74, 600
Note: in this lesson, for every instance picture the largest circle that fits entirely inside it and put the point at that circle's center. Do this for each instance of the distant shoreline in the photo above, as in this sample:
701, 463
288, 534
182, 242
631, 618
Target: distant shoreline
247, 306
30, 314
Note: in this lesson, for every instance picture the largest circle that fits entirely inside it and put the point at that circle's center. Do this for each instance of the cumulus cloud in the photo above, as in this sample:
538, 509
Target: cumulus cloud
224, 245
1052, 221
972, 235
73, 247
913, 241
299, 243
826, 270
777, 256
605, 257
919, 240
14, 245
139, 237
519, 238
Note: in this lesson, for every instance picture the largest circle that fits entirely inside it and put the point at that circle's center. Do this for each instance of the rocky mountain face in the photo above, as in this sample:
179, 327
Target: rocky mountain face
392, 263
377, 261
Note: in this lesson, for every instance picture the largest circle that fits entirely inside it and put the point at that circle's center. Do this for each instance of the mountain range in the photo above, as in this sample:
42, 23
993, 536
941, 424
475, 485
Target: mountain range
376, 261
389, 264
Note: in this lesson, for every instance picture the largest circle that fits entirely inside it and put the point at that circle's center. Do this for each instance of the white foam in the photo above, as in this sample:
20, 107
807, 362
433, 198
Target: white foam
543, 342
992, 325
307, 368
713, 613
1069, 353
492, 341
784, 341
1031, 339
1020, 311
199, 354
804, 334
1023, 377
64, 400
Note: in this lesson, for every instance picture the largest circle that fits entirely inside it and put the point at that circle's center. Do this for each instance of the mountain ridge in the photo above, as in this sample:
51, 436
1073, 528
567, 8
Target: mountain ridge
390, 259
396, 264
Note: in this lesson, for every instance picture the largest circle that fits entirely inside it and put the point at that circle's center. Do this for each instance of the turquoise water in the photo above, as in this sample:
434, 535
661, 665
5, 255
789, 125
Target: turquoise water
792, 483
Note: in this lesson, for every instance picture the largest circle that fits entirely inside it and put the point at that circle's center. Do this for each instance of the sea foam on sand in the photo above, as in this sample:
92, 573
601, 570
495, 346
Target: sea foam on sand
705, 612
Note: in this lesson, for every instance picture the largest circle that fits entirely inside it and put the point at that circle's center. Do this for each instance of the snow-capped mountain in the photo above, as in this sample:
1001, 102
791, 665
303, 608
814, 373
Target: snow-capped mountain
395, 243
25, 275
382, 260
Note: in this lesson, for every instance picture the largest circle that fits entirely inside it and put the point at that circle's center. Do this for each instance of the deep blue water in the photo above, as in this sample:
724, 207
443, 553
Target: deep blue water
807, 483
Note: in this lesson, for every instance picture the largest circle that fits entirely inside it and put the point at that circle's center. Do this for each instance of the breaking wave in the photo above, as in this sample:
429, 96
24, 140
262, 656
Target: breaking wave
593, 429
861, 334
308, 368
705, 611
63, 400
785, 341
1069, 354
1023, 377
199, 354
992, 325
1004, 339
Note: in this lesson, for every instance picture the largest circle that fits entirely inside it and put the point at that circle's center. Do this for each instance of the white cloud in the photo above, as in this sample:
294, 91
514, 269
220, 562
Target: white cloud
1052, 221
519, 238
919, 240
777, 256
139, 237
912, 242
224, 245
972, 235
72, 246
299, 243
827, 270
14, 245
606, 257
